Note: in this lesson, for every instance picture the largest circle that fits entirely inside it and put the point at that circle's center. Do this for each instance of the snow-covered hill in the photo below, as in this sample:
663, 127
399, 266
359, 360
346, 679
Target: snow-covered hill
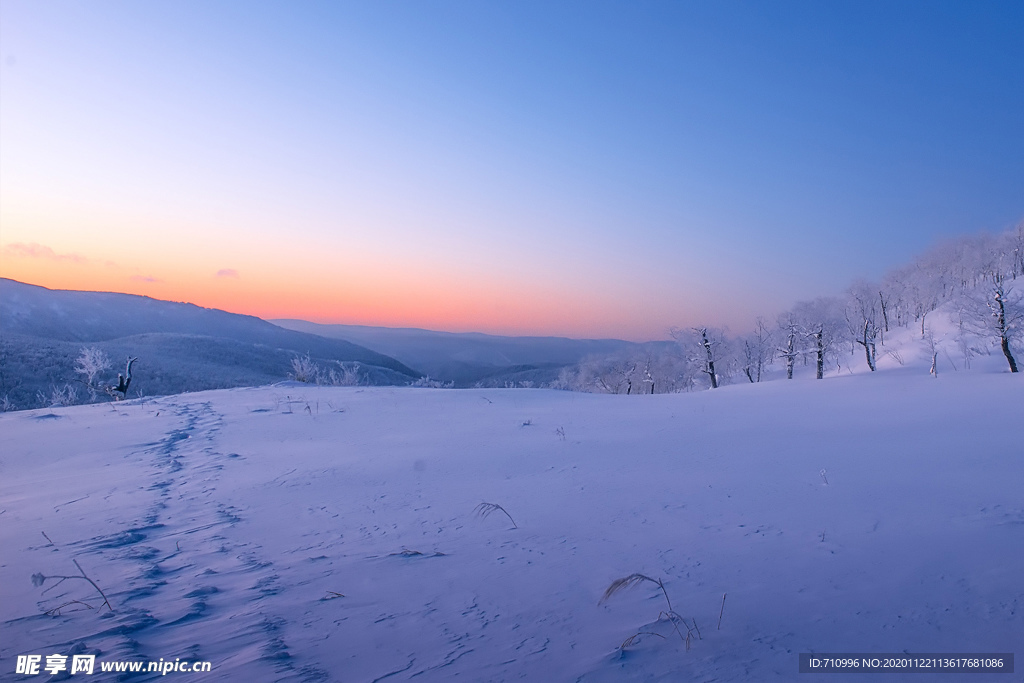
304, 533
181, 347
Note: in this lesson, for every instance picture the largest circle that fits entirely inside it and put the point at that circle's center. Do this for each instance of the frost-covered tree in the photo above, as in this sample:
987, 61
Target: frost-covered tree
90, 363
651, 368
894, 297
925, 292
708, 350
789, 331
598, 374
616, 375
758, 349
862, 314
821, 321
997, 310
1015, 250
976, 279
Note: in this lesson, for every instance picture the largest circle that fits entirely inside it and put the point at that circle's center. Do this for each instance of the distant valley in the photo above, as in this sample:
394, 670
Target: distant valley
471, 358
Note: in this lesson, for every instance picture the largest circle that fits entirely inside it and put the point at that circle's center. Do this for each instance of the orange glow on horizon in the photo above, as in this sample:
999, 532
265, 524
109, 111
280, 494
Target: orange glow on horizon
422, 299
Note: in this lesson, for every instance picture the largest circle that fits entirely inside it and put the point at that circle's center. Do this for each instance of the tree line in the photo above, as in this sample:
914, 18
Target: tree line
977, 280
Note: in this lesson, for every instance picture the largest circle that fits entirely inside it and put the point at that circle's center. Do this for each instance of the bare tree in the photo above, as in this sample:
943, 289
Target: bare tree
883, 299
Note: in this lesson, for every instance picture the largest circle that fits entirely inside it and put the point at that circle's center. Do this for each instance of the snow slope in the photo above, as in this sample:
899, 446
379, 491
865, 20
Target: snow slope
220, 523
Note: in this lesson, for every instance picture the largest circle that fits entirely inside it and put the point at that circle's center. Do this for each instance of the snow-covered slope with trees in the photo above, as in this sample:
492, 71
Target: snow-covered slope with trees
323, 533
963, 299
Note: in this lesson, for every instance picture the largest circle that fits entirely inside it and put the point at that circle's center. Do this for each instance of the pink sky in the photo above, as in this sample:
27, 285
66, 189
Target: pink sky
517, 168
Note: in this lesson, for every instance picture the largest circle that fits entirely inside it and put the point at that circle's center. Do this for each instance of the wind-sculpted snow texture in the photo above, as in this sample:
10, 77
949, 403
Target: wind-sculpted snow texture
308, 534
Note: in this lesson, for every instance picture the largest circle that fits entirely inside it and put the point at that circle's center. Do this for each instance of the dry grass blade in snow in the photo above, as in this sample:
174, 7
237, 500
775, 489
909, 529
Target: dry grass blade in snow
673, 617
629, 641
630, 581
484, 509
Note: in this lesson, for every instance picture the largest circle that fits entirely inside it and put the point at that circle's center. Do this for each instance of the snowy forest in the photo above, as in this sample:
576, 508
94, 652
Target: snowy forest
961, 299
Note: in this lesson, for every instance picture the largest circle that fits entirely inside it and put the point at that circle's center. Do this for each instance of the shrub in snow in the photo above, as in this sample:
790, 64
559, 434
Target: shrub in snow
432, 383
65, 395
90, 363
347, 375
305, 370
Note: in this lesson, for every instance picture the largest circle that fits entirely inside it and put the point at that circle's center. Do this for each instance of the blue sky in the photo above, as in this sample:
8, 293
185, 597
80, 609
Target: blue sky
587, 169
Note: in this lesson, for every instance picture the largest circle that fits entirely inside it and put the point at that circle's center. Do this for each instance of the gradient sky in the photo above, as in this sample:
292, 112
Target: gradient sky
582, 169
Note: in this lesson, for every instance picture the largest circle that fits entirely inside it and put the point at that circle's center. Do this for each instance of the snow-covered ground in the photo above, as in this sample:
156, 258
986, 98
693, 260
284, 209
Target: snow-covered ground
304, 533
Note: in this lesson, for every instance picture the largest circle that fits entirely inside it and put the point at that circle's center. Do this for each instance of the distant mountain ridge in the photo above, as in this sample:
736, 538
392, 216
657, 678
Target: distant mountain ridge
70, 315
468, 358
182, 347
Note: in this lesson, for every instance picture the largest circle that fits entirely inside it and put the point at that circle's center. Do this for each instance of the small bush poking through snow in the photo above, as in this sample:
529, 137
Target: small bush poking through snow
428, 383
65, 395
304, 369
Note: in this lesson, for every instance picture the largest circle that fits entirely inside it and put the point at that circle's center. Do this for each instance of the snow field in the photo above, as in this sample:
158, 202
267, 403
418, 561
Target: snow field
223, 525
